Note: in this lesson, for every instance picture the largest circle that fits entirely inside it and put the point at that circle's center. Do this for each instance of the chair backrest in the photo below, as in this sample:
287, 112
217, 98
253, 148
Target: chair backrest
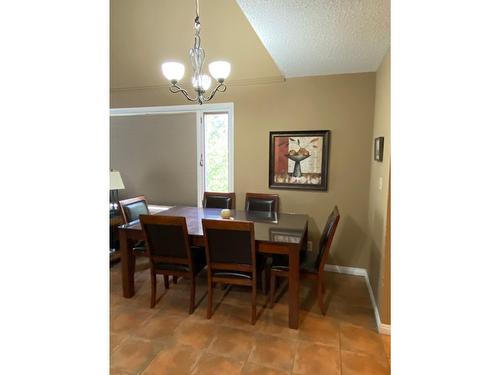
219, 200
326, 239
262, 202
133, 207
229, 244
166, 239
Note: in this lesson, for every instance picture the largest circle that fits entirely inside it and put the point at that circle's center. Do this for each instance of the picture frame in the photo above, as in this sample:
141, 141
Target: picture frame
299, 159
378, 149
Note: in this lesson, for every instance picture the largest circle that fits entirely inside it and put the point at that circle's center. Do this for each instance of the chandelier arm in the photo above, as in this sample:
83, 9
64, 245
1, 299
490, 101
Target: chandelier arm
175, 89
221, 87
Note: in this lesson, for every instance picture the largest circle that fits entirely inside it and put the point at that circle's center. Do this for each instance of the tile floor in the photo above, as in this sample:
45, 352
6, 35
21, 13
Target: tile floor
167, 340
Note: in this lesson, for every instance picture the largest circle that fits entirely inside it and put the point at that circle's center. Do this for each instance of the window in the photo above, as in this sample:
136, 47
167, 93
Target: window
216, 151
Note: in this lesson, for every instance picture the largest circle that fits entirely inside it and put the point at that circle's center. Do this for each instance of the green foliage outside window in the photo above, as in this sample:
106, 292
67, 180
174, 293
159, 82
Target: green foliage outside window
216, 152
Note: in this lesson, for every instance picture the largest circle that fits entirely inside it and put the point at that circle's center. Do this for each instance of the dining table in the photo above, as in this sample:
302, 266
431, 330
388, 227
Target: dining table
275, 233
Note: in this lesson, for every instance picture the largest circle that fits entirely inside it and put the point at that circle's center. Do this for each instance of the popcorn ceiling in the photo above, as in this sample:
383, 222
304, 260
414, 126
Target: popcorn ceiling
319, 37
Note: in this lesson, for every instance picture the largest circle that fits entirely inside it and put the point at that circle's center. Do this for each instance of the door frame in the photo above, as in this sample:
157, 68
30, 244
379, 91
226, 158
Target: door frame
199, 110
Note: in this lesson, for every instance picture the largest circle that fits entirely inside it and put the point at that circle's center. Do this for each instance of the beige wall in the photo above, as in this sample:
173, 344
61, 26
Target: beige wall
343, 104
378, 201
156, 157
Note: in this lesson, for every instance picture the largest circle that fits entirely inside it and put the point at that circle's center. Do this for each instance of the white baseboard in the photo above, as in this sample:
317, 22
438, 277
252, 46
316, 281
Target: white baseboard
382, 328
385, 329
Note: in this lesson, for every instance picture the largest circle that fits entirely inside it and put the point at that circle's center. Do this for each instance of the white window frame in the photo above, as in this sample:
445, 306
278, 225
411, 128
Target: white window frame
199, 110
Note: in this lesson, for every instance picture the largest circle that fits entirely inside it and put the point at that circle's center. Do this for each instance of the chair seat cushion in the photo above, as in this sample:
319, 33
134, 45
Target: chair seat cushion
232, 274
307, 262
197, 256
139, 247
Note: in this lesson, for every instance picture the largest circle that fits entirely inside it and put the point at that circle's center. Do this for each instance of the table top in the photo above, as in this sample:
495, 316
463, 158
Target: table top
269, 227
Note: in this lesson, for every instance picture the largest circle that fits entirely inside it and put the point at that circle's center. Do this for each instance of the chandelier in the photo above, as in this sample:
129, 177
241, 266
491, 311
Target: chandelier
220, 70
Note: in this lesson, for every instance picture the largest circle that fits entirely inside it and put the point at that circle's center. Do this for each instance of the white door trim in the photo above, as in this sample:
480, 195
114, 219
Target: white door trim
158, 110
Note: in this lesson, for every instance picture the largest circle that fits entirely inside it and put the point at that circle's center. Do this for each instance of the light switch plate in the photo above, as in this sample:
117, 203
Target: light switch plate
380, 183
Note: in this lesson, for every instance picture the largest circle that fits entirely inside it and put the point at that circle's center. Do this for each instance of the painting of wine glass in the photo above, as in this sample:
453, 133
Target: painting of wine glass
299, 159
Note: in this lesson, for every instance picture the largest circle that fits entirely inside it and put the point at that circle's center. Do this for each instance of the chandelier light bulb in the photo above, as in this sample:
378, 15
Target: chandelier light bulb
204, 80
173, 71
219, 70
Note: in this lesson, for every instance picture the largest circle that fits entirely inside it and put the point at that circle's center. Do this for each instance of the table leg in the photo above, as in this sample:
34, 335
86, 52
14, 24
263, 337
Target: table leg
293, 288
128, 265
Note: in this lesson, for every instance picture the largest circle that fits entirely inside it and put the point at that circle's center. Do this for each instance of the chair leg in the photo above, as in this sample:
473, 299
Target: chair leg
193, 291
267, 279
165, 280
321, 303
254, 302
153, 288
209, 304
272, 290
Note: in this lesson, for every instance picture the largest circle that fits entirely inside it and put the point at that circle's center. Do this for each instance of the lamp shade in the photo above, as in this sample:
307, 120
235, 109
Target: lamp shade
115, 181
173, 71
219, 70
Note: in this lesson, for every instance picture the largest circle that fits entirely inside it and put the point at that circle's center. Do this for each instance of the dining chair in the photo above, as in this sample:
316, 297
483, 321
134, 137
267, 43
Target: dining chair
219, 200
312, 264
170, 253
262, 202
231, 257
131, 209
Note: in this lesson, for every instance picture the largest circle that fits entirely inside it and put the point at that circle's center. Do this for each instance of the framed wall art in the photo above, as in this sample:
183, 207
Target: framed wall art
299, 159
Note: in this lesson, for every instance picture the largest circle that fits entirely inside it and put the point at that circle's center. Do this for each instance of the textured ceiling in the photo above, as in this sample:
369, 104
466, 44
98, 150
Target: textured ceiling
319, 37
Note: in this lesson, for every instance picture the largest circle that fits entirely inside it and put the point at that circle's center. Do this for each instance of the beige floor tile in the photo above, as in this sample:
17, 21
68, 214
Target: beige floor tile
211, 364
114, 371
363, 364
167, 339
129, 320
316, 359
255, 369
320, 329
232, 342
173, 360
275, 322
357, 339
386, 339
274, 352
159, 327
115, 339
354, 315
133, 354
196, 334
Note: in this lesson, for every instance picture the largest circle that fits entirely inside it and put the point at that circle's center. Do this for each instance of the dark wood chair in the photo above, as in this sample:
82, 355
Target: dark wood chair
231, 258
262, 202
131, 209
169, 252
219, 200
312, 263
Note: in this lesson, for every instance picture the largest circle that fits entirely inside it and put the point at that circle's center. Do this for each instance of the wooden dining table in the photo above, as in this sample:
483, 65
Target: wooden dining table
280, 233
